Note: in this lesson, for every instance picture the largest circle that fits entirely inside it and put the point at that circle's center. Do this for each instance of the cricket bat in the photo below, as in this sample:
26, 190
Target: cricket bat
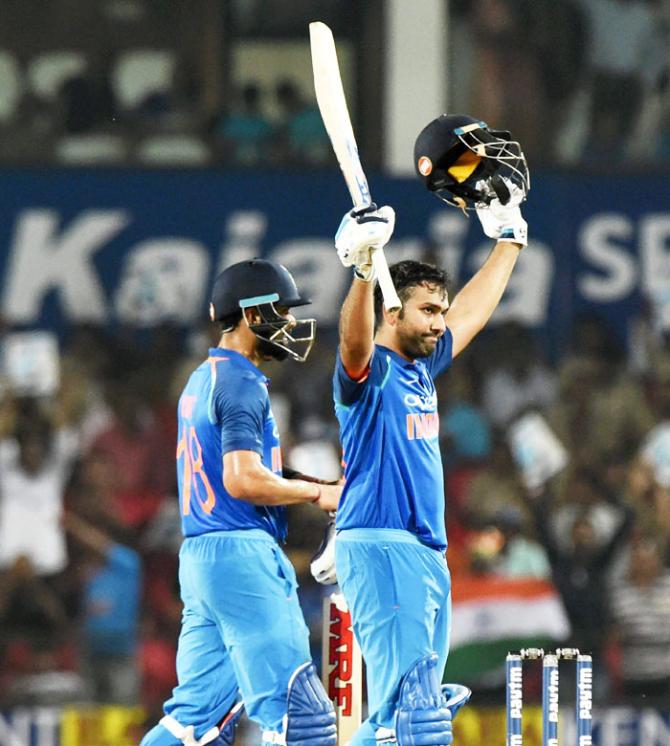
335, 114
342, 666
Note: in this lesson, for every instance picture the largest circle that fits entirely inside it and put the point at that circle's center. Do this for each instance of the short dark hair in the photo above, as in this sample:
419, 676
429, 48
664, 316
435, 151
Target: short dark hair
407, 275
230, 322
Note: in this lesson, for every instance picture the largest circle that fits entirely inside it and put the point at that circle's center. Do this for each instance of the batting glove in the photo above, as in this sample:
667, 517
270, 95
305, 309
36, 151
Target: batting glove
505, 222
360, 234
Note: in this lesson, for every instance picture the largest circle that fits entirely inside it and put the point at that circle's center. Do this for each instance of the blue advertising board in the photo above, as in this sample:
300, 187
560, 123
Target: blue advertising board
142, 247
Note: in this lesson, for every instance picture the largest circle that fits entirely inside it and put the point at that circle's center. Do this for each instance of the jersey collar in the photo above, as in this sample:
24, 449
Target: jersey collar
400, 359
239, 360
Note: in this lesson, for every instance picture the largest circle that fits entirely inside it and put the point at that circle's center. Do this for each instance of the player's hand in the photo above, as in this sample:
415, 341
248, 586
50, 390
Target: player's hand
505, 222
362, 233
330, 496
322, 566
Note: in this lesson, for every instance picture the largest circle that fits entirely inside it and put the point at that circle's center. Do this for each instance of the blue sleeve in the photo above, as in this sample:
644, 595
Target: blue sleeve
240, 405
346, 390
440, 360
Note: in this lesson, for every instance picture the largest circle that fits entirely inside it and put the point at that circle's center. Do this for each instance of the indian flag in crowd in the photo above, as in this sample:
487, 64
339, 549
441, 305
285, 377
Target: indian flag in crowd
493, 616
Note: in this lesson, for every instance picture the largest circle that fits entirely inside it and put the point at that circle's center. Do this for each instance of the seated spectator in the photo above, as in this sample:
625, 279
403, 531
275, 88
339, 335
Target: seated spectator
174, 108
640, 611
87, 100
111, 576
244, 133
302, 138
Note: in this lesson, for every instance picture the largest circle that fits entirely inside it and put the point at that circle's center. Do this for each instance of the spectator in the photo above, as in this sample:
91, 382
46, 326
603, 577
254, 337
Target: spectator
580, 571
507, 68
640, 608
464, 428
34, 468
650, 499
129, 444
111, 576
516, 554
584, 496
244, 132
302, 139
621, 51
174, 108
87, 101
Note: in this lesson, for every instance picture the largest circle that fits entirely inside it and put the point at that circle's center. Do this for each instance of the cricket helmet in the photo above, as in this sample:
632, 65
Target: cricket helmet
265, 286
465, 163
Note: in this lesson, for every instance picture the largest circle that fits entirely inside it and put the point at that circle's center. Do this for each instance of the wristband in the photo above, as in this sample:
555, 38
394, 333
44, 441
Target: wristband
366, 275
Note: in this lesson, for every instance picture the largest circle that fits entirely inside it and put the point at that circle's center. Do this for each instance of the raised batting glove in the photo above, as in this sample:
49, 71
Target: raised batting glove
362, 233
505, 222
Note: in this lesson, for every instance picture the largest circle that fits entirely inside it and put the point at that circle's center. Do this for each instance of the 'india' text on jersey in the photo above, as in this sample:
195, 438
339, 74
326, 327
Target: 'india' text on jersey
389, 428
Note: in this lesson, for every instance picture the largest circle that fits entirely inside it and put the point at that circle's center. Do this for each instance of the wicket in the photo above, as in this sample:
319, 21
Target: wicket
550, 694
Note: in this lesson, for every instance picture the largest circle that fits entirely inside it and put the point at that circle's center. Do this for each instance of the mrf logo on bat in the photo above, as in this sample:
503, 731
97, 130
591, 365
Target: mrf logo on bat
340, 660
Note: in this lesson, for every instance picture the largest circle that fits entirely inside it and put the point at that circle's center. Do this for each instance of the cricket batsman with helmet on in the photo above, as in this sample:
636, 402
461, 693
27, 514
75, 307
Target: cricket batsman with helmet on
391, 539
243, 633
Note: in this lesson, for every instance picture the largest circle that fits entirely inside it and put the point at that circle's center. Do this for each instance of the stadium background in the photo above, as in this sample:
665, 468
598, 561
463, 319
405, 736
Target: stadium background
146, 143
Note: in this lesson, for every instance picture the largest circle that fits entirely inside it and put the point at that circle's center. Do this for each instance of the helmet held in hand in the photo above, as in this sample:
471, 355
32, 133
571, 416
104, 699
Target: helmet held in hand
465, 163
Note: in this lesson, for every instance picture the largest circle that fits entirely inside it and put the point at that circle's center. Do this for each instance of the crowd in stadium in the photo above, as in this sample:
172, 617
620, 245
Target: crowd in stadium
598, 70
89, 515
90, 520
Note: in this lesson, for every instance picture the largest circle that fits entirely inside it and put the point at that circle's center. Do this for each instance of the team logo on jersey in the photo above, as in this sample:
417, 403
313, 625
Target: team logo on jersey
427, 403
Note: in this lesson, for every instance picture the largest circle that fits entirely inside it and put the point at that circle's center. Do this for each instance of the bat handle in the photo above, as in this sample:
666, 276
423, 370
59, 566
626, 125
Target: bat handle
391, 299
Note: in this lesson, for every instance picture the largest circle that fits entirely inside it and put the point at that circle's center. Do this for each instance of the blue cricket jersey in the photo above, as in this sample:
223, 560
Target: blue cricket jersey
224, 407
389, 429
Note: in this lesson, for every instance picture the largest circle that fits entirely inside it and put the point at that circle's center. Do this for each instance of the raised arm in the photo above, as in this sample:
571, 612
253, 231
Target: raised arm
357, 327
473, 306
358, 236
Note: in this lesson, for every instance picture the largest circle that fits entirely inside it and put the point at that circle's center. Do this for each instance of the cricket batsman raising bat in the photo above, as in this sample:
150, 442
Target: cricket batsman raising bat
335, 115
390, 531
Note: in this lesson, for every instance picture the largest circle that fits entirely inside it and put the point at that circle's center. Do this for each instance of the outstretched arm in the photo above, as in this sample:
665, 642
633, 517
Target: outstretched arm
473, 306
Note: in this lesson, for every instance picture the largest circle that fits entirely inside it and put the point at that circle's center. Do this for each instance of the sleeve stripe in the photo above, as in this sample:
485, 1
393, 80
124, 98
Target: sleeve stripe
361, 377
211, 414
388, 371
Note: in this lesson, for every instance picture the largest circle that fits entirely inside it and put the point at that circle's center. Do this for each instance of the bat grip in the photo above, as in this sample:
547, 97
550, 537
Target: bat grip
391, 299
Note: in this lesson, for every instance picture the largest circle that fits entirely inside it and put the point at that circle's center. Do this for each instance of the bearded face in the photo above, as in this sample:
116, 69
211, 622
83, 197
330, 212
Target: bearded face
420, 323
